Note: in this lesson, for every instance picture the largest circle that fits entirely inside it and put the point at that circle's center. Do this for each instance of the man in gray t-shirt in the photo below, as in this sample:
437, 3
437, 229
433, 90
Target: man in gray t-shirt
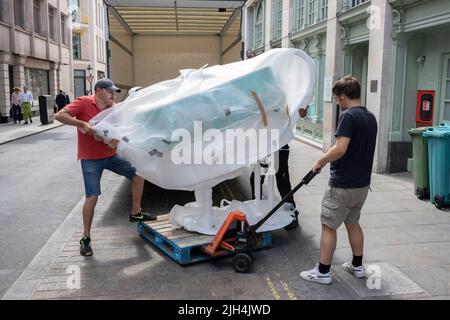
351, 161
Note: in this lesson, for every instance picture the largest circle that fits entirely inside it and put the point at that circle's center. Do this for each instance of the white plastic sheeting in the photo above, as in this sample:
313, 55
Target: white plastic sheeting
192, 218
261, 95
221, 98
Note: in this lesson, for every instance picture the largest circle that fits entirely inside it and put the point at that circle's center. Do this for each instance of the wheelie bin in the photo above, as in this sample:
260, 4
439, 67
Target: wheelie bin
438, 139
420, 162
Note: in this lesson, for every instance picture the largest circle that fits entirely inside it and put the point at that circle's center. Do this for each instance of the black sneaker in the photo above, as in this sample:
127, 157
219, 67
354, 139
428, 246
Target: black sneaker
142, 216
85, 246
294, 223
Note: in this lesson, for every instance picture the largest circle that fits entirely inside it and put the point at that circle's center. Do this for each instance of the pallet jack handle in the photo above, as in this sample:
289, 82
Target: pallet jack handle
309, 176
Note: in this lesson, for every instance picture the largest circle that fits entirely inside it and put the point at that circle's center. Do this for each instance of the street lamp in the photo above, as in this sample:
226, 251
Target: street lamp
90, 78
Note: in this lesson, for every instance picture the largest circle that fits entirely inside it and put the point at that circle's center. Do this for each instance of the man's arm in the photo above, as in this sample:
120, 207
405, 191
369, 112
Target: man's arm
335, 153
65, 117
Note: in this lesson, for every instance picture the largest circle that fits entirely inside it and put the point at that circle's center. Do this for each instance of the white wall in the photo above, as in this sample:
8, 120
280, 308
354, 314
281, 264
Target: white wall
159, 58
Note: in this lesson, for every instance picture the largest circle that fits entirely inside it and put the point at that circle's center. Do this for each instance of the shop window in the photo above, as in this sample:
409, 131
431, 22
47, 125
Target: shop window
37, 82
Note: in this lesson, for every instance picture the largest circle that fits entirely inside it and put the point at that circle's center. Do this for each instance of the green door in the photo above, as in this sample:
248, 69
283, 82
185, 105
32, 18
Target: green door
445, 101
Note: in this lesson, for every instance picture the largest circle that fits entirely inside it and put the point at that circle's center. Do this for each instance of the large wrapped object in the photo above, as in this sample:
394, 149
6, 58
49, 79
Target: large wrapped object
264, 92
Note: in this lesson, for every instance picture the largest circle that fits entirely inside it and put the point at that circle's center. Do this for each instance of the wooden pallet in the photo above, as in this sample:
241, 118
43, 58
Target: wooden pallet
181, 245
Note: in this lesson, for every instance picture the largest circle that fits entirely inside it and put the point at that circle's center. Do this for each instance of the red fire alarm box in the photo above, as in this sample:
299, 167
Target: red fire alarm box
425, 108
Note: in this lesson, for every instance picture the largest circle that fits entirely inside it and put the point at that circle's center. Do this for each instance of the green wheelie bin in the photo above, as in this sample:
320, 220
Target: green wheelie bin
439, 164
420, 162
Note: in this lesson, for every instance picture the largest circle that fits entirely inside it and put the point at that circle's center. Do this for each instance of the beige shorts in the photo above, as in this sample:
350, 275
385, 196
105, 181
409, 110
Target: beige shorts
342, 205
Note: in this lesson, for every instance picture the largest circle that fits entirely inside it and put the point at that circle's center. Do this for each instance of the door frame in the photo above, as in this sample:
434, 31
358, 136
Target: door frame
444, 79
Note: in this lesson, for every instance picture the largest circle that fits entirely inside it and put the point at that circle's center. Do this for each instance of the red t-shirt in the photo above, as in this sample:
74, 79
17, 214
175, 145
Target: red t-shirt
84, 109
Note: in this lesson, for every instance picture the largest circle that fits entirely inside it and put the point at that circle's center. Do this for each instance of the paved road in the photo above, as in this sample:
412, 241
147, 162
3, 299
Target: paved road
40, 184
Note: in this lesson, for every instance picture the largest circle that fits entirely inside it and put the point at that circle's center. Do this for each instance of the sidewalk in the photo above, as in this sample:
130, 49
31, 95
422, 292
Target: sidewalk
407, 243
10, 131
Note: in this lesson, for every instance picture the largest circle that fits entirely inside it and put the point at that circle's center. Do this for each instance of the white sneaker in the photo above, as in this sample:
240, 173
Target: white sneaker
314, 275
358, 272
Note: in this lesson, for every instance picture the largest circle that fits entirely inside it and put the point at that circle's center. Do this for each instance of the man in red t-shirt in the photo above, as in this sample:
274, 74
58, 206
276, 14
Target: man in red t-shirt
96, 156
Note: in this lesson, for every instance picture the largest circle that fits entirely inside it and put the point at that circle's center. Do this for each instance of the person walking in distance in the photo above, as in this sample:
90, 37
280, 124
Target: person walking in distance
26, 98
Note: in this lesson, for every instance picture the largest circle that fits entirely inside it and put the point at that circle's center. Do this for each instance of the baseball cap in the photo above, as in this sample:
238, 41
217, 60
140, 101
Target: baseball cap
106, 84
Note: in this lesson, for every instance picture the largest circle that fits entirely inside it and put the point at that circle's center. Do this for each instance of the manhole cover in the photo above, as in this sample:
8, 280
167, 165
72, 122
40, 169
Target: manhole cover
382, 280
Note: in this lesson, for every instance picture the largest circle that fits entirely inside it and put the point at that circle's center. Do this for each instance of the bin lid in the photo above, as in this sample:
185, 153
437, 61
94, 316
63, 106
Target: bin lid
437, 132
417, 131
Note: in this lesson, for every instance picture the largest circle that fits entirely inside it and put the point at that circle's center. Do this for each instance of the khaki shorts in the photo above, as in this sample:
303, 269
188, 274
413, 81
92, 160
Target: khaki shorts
342, 205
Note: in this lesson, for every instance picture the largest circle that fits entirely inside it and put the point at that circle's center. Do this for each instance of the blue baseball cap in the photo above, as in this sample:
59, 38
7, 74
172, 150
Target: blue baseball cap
106, 84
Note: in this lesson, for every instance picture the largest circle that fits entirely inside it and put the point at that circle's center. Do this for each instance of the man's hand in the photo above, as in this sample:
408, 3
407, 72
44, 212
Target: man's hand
317, 166
303, 112
113, 143
97, 138
86, 128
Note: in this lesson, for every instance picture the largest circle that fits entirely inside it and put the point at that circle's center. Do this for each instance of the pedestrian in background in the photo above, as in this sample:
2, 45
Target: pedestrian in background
67, 98
60, 100
26, 98
16, 110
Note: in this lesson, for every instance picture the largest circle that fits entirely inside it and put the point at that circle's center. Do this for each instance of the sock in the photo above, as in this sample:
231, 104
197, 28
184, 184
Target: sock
324, 268
357, 261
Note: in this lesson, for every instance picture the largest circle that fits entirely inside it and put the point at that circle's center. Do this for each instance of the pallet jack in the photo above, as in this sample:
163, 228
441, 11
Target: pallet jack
236, 236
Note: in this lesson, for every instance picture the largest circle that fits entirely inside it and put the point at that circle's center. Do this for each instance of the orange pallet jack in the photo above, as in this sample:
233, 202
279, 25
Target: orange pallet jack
236, 236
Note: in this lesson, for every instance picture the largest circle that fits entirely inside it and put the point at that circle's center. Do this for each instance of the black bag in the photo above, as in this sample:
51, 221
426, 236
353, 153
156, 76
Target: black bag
19, 111
11, 112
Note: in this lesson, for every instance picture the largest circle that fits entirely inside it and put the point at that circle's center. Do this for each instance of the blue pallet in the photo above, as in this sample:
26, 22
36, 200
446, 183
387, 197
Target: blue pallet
181, 245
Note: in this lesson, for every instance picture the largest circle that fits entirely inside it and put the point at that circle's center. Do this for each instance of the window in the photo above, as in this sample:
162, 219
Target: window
277, 19
19, 13
37, 81
259, 27
101, 16
52, 23
324, 10
300, 11
37, 17
4, 11
312, 12
63, 30
76, 40
75, 10
357, 2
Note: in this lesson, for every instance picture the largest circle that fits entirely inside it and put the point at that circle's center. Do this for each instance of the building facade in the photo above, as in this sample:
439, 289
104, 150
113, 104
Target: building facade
398, 49
35, 49
89, 55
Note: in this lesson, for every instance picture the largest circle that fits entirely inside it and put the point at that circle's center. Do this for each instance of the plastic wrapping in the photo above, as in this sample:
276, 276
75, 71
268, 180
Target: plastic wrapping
191, 217
220, 98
